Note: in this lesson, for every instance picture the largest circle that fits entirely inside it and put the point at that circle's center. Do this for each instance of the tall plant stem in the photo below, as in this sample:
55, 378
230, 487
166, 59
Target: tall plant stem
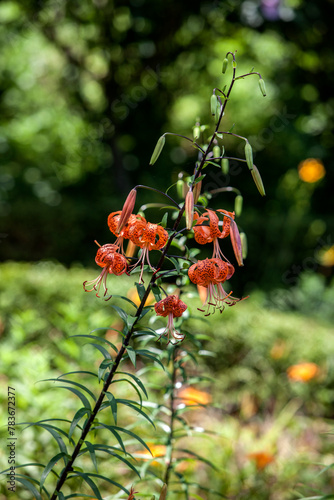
172, 419
89, 422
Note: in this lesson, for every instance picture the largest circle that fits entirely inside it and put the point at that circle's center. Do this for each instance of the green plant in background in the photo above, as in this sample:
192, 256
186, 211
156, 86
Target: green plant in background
86, 434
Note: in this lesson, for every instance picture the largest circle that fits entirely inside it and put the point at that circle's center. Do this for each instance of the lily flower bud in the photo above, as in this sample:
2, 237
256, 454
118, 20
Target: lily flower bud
217, 114
127, 209
196, 132
163, 493
197, 191
213, 104
216, 151
189, 209
244, 245
236, 242
225, 166
157, 150
225, 63
258, 180
238, 205
249, 155
262, 87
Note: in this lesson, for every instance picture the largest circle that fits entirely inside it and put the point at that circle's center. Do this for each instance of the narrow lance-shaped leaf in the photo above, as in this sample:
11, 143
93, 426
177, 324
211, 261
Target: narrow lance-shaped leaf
132, 355
113, 405
236, 242
157, 150
49, 466
258, 180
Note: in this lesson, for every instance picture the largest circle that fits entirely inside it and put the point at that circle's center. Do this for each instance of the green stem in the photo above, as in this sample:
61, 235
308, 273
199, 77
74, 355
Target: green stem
170, 438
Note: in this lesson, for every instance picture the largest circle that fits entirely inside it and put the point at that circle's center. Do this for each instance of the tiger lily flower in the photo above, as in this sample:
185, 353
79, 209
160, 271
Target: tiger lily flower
207, 230
148, 237
211, 273
112, 262
113, 223
172, 307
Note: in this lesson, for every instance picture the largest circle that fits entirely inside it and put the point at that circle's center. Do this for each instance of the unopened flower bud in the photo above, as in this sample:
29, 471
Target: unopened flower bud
258, 180
262, 87
216, 151
236, 242
189, 209
217, 114
157, 150
196, 132
238, 205
163, 493
249, 155
225, 63
213, 104
197, 191
179, 188
127, 209
244, 245
225, 166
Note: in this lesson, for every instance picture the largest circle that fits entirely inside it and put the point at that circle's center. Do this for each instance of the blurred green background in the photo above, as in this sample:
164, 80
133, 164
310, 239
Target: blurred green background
86, 89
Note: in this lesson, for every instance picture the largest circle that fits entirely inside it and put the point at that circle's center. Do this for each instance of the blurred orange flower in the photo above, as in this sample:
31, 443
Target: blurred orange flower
133, 295
191, 396
261, 459
303, 372
326, 256
157, 450
311, 170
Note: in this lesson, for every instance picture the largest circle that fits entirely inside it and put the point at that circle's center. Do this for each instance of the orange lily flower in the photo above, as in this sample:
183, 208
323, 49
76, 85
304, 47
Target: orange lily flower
172, 307
211, 273
112, 262
113, 223
207, 229
148, 237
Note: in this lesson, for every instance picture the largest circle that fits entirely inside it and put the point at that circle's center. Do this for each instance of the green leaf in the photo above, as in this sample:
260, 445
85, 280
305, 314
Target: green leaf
121, 313
103, 366
156, 292
132, 384
49, 467
77, 371
115, 429
164, 220
137, 380
132, 355
140, 290
105, 449
113, 405
102, 350
100, 339
133, 405
27, 484
81, 396
55, 432
78, 385
148, 354
89, 481
198, 457
91, 450
76, 419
